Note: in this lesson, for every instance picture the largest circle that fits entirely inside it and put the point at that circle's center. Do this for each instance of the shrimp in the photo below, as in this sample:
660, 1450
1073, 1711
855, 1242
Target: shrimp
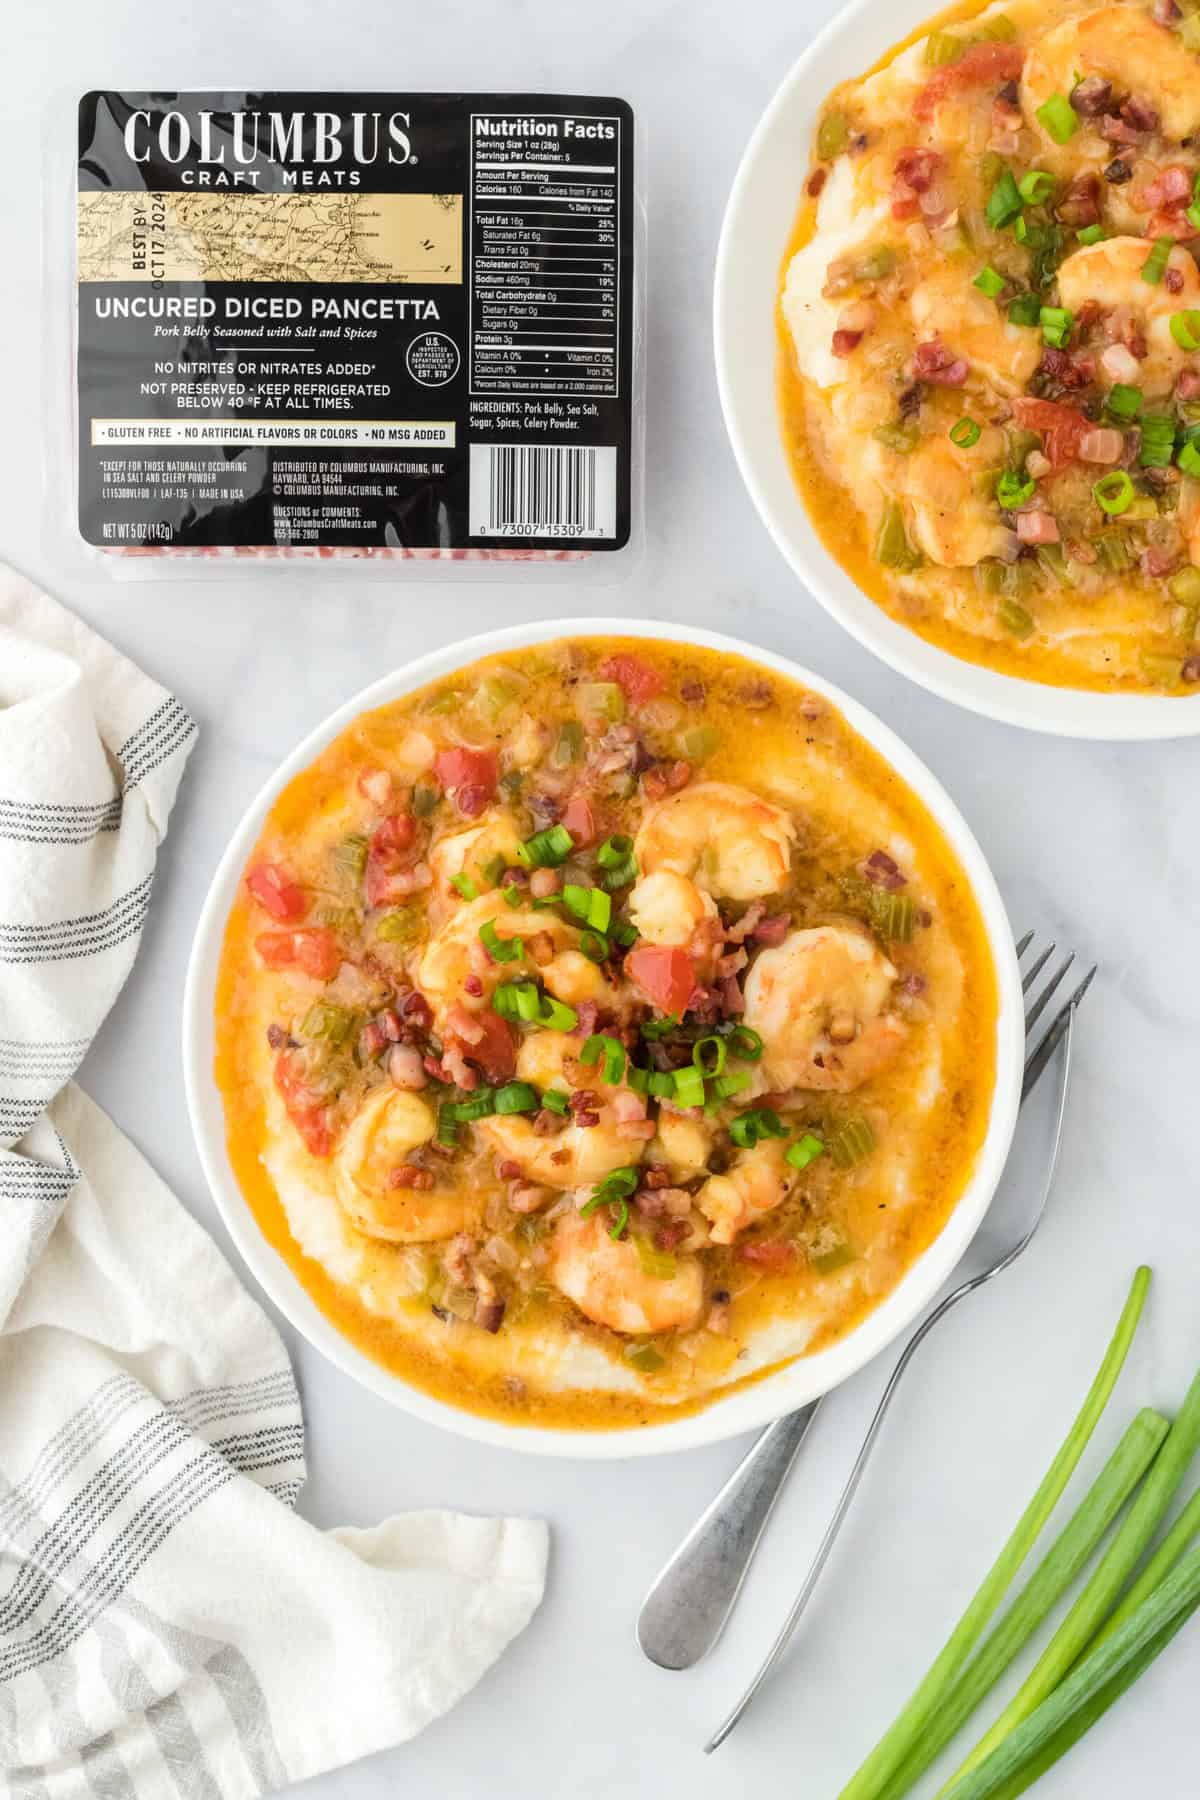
605, 1279
951, 520
819, 1003
1189, 514
1110, 272
468, 852
947, 305
683, 1144
1124, 45
578, 1155
390, 1124
456, 954
723, 838
667, 908
755, 1182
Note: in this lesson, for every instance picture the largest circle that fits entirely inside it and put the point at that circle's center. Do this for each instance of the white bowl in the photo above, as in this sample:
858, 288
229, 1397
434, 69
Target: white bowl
777, 1394
758, 224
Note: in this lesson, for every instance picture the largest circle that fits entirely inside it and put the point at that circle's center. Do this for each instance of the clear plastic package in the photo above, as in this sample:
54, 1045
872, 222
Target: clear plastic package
393, 333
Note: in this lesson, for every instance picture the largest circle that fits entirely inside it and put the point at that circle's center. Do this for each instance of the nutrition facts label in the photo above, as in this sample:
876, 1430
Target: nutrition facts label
545, 236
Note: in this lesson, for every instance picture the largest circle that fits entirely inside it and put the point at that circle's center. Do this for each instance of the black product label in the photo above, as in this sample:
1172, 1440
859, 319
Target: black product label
355, 321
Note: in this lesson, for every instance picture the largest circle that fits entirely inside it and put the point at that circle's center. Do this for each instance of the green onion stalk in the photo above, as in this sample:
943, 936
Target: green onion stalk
902, 1737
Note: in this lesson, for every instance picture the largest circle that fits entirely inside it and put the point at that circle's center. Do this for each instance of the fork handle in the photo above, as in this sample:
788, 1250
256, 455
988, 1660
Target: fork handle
685, 1611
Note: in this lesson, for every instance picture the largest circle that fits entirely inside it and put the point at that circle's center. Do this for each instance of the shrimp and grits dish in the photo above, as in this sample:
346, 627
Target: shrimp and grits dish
990, 339
600, 1027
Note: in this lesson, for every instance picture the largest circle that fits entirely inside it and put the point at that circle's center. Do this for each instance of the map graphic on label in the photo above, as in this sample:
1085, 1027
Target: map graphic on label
355, 322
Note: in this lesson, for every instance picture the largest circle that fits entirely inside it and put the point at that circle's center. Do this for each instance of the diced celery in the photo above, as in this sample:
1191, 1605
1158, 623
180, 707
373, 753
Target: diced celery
892, 547
941, 47
876, 264
644, 1357
400, 927
1185, 587
351, 856
603, 699
901, 436
1164, 671
825, 1262
700, 741
833, 135
851, 1143
1015, 618
328, 1024
659, 1263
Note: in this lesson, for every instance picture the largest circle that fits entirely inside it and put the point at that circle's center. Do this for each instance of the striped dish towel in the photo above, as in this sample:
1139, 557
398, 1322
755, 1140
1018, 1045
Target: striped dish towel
170, 1629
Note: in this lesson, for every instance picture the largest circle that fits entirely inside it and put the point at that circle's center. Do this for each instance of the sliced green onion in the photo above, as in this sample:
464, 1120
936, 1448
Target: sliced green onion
606, 1051
569, 747
618, 1184
465, 886
902, 438
653, 1261
1056, 323
1155, 265
1123, 402
1013, 490
501, 950
688, 1084
1067, 1557
1021, 229
1189, 459
1113, 492
654, 1029
708, 1055
662, 1084
1158, 441
620, 1219
757, 1122
1102, 1592
555, 1101
1024, 309
624, 934
590, 904
481, 1105
423, 801
966, 434
910, 1728
1004, 202
517, 1097
892, 547
724, 1087
621, 876
546, 849
806, 1150
833, 135
594, 946
851, 1143
492, 869
638, 1078
1058, 118
614, 851
447, 1128
555, 1015
1036, 187
989, 281
1091, 234
745, 1043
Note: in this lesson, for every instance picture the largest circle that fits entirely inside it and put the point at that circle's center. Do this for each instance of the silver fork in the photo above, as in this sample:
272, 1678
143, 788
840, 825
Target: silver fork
689, 1604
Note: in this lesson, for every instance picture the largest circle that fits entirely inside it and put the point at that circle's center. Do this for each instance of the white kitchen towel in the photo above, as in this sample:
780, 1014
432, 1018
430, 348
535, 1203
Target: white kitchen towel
170, 1629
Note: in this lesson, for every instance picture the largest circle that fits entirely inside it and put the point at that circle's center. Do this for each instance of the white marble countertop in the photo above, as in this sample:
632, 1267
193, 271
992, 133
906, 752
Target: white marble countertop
1096, 844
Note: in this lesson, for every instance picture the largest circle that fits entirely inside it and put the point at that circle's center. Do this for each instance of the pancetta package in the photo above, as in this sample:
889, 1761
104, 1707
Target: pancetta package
388, 331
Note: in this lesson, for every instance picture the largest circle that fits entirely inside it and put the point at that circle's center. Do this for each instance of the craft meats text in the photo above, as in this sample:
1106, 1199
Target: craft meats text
309, 148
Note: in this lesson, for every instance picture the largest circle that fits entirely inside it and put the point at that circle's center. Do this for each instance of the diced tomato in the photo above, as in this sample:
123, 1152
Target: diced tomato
305, 1109
981, 63
315, 951
388, 853
772, 1254
580, 820
1062, 427
462, 768
665, 975
636, 679
276, 892
495, 1051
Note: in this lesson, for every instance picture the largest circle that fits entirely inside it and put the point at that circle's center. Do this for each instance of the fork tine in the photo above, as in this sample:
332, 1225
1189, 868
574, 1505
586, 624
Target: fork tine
1037, 1007
1054, 1036
1023, 944
1038, 966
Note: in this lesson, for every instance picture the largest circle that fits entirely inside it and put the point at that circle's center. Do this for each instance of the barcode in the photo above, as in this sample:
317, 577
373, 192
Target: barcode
543, 490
